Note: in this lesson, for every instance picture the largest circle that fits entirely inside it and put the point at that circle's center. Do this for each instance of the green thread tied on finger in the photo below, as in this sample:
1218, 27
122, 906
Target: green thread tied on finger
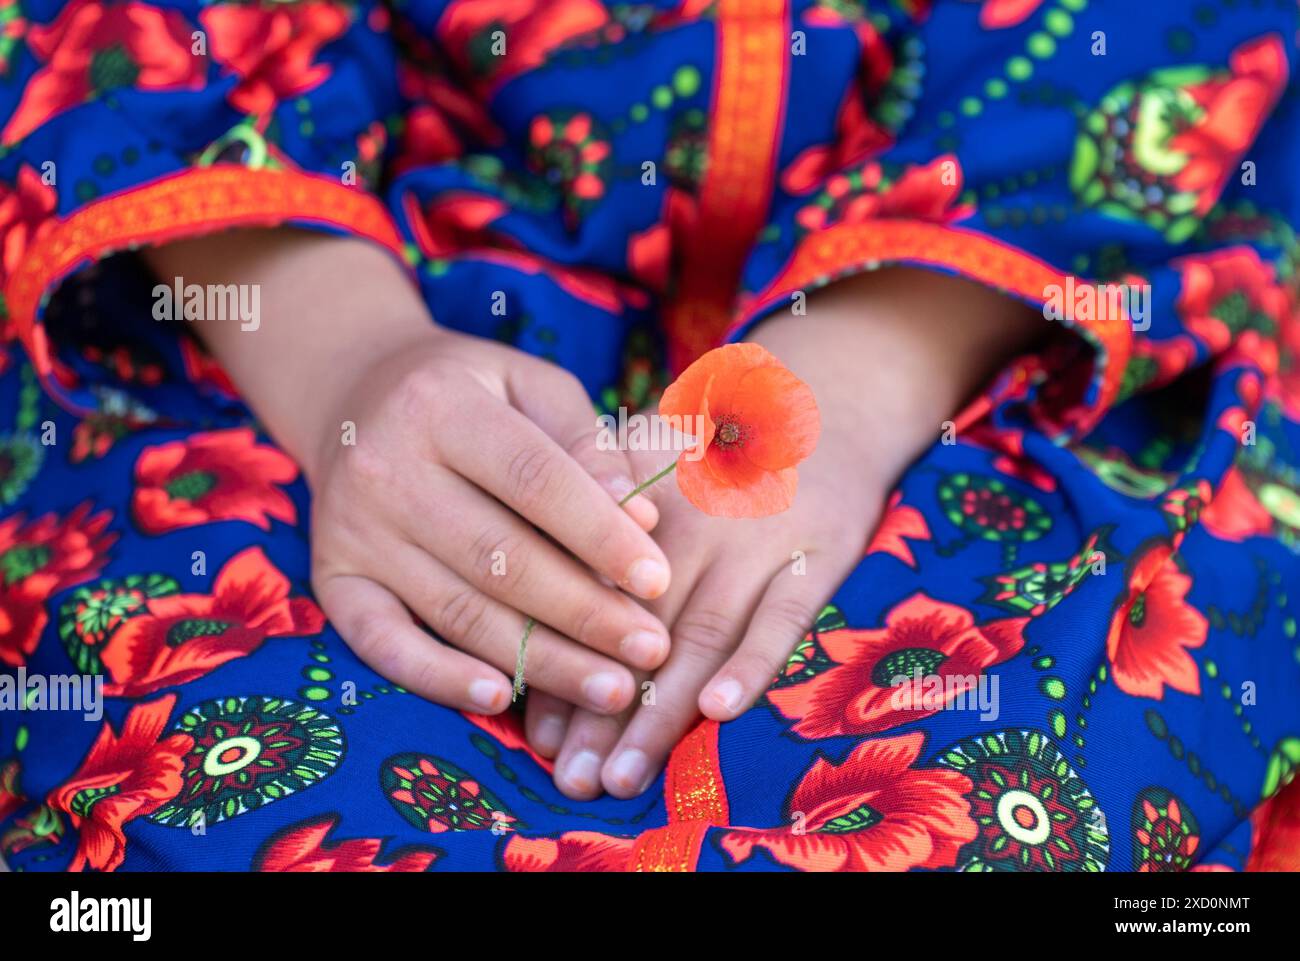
519, 660
518, 687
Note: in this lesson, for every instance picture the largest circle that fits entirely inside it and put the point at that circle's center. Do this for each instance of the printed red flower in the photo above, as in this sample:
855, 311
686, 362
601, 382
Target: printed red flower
997, 14
1275, 832
759, 421
204, 371
39, 559
650, 251
11, 797
874, 812
572, 851
530, 29
857, 695
1228, 293
123, 777
303, 847
1168, 837
272, 49
1235, 105
26, 215
216, 476
926, 192
94, 48
185, 636
1152, 628
857, 136
458, 224
1235, 513
507, 729
899, 522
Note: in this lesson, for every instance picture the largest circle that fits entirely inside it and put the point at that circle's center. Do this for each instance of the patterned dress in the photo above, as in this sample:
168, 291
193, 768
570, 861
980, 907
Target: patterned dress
1111, 531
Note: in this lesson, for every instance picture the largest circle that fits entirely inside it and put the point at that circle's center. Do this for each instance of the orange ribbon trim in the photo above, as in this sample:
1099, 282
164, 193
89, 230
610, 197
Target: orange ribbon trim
745, 123
195, 201
845, 248
696, 800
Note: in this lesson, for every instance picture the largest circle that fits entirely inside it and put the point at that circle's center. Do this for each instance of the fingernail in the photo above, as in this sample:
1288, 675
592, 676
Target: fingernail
629, 770
602, 690
647, 578
487, 694
729, 694
549, 735
583, 771
644, 648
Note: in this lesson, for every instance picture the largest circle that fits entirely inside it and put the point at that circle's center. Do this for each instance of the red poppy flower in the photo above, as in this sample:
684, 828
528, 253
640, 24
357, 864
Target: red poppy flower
858, 694
532, 30
185, 636
93, 48
1227, 293
26, 215
1235, 105
899, 522
1153, 626
874, 812
759, 421
272, 49
216, 476
583, 851
303, 847
39, 559
122, 777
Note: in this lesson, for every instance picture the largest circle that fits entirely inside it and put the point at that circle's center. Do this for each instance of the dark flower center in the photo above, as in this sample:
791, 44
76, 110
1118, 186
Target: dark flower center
1138, 612
903, 663
191, 485
18, 562
113, 68
858, 819
84, 800
729, 433
192, 627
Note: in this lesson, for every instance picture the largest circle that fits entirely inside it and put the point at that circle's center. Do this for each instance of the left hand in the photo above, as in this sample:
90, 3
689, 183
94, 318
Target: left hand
739, 602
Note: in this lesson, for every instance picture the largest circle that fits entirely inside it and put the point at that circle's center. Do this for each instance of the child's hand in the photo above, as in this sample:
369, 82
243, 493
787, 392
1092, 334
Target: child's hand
888, 359
462, 446
445, 470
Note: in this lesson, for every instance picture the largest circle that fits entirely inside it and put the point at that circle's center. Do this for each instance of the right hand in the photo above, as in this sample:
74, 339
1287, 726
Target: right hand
475, 497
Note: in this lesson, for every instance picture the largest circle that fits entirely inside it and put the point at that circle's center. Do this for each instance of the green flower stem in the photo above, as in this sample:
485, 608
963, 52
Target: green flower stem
641, 487
518, 687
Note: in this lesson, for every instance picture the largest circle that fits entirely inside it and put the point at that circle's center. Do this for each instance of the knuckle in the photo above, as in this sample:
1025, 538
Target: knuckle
789, 616
375, 636
429, 677
499, 558
588, 620
366, 467
416, 392
702, 630
532, 475
462, 615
